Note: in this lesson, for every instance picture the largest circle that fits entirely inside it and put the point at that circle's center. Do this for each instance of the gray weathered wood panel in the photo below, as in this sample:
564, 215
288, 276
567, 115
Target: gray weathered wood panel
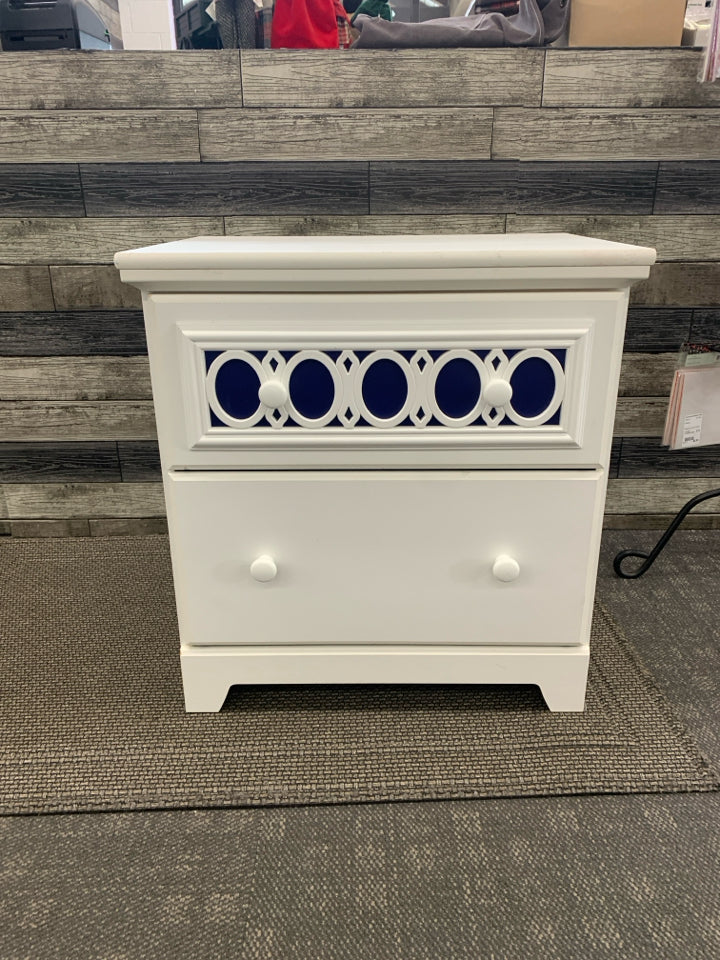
675, 238
656, 329
645, 457
688, 186
294, 226
134, 79
679, 284
706, 326
640, 416
91, 288
93, 240
391, 78
49, 528
201, 189
71, 334
431, 187
647, 374
585, 187
606, 134
53, 420
139, 460
25, 288
626, 78
83, 500
658, 521
435, 134
615, 450
59, 462
130, 527
68, 136
658, 496
40, 190
74, 378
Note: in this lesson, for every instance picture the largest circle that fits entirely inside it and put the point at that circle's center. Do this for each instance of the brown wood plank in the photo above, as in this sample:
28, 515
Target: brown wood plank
25, 288
647, 374
675, 238
91, 288
55, 420
626, 78
38, 501
576, 134
391, 78
73, 135
657, 496
294, 226
417, 134
133, 79
640, 416
679, 284
93, 240
74, 378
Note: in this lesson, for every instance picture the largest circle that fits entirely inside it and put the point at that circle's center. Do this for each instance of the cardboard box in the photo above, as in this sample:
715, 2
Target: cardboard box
626, 23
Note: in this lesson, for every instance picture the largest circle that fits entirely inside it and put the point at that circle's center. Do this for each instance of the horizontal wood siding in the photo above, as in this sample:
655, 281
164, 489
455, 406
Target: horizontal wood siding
608, 134
433, 133
102, 152
89, 240
133, 80
72, 135
626, 78
391, 78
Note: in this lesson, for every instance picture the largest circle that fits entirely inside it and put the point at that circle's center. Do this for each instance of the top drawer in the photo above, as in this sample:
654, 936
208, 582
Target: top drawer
381, 380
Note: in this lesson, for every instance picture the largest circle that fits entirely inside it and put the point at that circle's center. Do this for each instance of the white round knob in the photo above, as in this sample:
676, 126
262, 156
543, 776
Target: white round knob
506, 568
263, 569
273, 393
497, 393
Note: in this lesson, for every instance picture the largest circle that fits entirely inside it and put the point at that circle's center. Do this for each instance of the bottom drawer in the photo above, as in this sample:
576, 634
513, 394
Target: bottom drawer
457, 557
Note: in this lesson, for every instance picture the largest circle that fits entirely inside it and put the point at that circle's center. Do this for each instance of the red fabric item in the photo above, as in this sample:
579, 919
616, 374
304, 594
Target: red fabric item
303, 24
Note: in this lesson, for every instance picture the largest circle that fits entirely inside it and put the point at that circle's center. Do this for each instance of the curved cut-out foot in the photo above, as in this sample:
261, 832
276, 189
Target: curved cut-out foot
566, 695
205, 690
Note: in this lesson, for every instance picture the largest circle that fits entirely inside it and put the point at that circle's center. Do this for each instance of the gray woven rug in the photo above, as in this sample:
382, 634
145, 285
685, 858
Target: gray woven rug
91, 712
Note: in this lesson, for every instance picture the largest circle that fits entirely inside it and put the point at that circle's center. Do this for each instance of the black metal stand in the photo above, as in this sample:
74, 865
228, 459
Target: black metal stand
650, 558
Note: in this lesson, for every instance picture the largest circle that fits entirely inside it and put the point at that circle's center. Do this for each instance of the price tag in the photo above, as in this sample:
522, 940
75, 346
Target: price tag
692, 429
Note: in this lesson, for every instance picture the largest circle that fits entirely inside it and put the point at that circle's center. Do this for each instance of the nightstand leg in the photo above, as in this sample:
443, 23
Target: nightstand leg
565, 692
204, 685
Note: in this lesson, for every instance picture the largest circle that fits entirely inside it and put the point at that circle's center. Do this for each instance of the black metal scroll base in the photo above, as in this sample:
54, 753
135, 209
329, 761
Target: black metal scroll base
650, 558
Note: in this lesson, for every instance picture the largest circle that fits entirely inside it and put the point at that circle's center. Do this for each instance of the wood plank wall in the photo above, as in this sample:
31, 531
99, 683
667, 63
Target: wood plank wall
104, 151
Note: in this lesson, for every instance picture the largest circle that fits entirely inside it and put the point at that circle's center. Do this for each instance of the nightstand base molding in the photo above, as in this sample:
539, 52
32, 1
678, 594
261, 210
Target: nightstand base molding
209, 672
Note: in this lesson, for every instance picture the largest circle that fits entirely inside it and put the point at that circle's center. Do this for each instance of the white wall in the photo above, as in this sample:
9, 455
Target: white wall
147, 24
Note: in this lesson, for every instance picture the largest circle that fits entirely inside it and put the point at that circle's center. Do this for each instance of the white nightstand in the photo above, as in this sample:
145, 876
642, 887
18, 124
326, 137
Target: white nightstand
385, 458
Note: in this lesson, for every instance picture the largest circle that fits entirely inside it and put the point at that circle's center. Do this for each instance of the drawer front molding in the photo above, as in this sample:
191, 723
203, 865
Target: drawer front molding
414, 390
382, 389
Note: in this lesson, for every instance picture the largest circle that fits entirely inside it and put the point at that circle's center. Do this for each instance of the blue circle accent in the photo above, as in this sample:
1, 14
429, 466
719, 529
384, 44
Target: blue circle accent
384, 388
312, 389
457, 387
236, 386
533, 385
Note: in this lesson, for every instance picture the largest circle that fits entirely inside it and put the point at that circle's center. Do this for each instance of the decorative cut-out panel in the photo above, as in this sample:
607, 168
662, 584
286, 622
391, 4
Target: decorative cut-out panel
385, 388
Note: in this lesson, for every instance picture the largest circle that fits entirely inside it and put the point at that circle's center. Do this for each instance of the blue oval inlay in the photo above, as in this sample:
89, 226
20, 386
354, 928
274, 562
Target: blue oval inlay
384, 388
312, 389
236, 387
533, 385
457, 388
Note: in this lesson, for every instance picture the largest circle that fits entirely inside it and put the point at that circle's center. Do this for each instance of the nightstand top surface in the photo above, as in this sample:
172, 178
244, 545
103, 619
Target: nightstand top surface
381, 253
